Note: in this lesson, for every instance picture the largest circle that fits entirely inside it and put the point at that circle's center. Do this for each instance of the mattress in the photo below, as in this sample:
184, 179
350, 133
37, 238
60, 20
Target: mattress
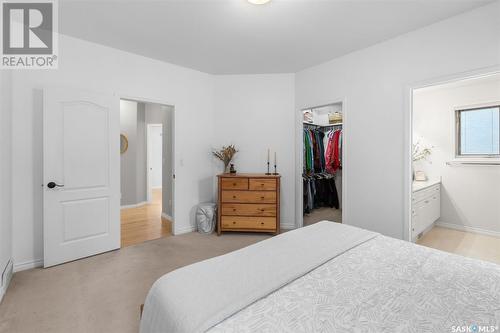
375, 284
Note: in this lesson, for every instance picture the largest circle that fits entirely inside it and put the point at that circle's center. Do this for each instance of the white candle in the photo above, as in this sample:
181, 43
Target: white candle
274, 158
268, 155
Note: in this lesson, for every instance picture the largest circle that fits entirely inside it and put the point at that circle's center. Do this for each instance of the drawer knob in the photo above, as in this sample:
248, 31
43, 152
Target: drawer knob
234, 197
234, 222
234, 209
262, 223
262, 198
262, 210
234, 184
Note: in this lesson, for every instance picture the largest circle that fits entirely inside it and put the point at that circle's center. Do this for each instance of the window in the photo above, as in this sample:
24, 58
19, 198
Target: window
478, 132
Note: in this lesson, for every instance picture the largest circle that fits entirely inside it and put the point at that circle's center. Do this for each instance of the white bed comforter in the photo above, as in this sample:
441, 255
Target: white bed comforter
375, 284
197, 297
382, 285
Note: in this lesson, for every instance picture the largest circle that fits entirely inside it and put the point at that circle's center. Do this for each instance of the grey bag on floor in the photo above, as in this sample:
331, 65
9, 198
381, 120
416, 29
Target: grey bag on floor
205, 218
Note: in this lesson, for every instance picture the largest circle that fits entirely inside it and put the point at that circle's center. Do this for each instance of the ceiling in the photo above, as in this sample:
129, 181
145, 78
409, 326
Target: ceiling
235, 37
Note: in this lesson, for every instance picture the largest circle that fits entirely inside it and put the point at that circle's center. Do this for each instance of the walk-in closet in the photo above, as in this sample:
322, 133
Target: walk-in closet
322, 163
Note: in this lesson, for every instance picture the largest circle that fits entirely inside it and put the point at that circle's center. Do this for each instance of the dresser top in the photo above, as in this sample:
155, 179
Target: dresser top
247, 175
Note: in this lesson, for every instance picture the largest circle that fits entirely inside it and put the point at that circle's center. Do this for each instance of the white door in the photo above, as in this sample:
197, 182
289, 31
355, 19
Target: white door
81, 161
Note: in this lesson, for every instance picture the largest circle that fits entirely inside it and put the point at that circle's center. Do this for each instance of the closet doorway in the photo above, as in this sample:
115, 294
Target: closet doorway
147, 182
322, 133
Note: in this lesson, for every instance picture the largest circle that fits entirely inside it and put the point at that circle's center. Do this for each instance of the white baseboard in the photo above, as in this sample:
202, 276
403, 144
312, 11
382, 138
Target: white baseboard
22, 266
166, 216
184, 230
134, 205
288, 226
5, 277
468, 229
191, 229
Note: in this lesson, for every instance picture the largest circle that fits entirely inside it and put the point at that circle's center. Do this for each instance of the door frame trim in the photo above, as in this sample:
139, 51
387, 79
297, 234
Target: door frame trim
299, 157
124, 96
408, 126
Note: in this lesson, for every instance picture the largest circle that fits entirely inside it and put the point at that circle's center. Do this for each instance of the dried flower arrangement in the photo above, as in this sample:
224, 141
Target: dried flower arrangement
420, 153
225, 154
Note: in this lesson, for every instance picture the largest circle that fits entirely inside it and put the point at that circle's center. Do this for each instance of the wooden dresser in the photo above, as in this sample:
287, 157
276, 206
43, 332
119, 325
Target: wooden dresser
248, 202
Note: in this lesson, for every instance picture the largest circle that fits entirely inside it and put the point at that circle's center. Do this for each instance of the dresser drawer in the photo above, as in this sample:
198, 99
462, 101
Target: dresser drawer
249, 209
427, 193
234, 183
239, 222
249, 196
262, 184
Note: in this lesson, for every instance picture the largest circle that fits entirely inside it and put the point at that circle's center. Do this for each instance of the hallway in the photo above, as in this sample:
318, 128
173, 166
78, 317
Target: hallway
144, 223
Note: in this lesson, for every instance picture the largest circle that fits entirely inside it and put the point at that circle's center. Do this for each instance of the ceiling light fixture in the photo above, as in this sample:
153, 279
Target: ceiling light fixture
258, 2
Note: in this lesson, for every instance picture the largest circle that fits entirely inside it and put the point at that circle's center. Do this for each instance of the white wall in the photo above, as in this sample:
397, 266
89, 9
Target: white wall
89, 66
373, 82
255, 112
470, 196
156, 160
164, 114
5, 177
134, 118
128, 160
141, 155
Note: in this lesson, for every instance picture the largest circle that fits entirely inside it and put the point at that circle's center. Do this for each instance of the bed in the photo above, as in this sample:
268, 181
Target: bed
327, 277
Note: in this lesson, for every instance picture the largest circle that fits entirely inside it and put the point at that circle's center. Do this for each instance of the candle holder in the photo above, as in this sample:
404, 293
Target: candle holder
268, 171
275, 171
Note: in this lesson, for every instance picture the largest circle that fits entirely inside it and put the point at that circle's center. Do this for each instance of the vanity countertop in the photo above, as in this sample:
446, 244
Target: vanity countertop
420, 185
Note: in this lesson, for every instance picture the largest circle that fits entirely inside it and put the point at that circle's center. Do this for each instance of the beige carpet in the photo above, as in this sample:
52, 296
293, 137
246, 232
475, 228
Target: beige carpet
323, 214
103, 293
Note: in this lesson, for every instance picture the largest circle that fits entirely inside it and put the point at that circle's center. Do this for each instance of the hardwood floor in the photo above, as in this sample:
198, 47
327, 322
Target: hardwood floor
467, 244
144, 223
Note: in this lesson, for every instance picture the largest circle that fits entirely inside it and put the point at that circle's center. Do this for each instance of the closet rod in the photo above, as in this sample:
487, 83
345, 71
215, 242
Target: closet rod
315, 125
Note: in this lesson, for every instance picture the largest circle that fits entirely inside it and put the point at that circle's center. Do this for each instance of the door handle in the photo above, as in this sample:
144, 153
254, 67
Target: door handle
54, 185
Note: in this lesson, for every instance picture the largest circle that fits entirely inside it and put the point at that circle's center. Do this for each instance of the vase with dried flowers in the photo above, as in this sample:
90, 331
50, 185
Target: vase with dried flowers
420, 152
225, 154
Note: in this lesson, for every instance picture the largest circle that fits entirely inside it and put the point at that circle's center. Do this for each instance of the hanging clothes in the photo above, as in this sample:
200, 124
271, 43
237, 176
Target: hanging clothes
319, 190
308, 152
314, 151
319, 151
322, 160
334, 152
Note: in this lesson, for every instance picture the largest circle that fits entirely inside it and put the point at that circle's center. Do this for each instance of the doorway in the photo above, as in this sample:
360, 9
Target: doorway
322, 166
455, 159
147, 185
